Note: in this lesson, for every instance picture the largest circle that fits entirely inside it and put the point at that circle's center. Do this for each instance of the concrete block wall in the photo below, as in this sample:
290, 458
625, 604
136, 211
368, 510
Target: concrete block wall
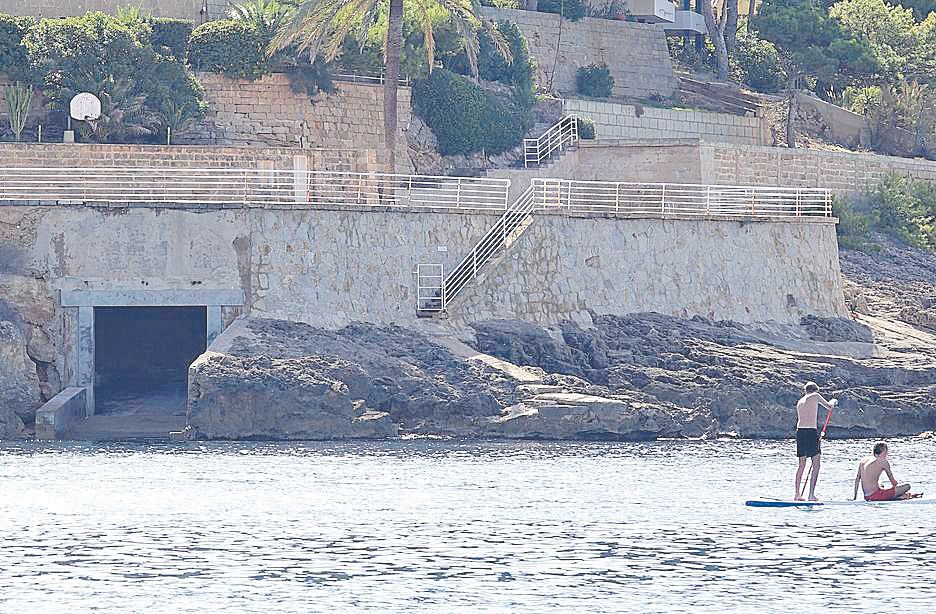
635, 53
844, 173
182, 9
267, 112
160, 156
614, 120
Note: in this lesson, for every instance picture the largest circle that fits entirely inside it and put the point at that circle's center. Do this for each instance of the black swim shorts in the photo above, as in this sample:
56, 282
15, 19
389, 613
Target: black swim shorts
807, 442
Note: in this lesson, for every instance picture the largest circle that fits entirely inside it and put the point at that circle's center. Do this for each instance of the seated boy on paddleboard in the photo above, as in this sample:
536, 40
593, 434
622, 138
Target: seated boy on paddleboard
807, 436
869, 475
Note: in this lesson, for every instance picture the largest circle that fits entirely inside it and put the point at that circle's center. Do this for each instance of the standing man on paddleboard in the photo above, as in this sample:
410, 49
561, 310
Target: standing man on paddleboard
808, 436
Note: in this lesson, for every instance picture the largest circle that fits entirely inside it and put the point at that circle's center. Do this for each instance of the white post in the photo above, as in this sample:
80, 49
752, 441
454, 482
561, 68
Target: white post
300, 173
663, 200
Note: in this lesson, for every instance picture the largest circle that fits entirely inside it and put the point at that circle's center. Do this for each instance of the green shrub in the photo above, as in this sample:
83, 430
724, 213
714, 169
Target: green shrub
572, 10
229, 47
170, 36
309, 78
900, 207
594, 81
13, 61
586, 128
756, 63
140, 89
492, 65
466, 118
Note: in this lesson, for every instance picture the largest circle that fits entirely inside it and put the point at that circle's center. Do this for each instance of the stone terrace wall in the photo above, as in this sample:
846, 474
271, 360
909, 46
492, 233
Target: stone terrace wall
331, 267
183, 9
623, 121
844, 173
267, 112
635, 53
176, 156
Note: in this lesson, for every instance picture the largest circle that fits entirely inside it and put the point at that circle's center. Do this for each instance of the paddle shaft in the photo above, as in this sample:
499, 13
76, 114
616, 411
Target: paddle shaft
812, 463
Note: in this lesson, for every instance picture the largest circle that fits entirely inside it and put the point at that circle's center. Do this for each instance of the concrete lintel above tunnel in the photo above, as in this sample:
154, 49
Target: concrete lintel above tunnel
150, 298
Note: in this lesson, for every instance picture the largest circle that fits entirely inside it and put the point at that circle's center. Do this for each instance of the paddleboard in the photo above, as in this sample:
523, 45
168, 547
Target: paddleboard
787, 503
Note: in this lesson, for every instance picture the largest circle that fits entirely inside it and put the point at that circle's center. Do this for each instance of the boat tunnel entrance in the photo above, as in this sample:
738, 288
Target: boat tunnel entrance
128, 353
142, 356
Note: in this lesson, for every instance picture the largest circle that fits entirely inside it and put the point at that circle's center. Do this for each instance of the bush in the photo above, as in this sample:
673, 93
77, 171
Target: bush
573, 10
756, 63
492, 66
13, 61
466, 118
900, 207
170, 36
594, 81
229, 47
141, 91
586, 128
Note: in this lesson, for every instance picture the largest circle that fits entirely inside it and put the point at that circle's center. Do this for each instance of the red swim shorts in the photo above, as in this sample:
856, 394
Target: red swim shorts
882, 495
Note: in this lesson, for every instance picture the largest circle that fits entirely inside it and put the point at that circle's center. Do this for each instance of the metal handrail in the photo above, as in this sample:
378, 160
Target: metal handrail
562, 134
674, 199
496, 238
251, 187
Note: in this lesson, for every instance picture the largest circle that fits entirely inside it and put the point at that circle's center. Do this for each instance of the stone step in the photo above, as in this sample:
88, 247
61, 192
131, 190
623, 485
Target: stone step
103, 427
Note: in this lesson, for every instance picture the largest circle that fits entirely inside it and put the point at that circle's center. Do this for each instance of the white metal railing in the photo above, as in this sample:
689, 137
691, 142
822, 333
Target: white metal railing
680, 199
498, 237
561, 135
251, 187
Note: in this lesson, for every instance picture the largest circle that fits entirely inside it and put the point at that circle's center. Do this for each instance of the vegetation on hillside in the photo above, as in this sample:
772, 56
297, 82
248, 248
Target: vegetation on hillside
899, 207
142, 67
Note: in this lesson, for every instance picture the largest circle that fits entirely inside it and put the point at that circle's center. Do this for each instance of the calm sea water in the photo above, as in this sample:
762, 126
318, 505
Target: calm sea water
449, 526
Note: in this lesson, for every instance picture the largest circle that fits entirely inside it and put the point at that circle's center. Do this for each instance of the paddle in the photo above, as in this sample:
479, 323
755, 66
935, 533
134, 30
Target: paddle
825, 426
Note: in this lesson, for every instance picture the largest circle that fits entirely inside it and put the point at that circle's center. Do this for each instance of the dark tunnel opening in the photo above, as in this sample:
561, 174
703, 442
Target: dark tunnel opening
142, 355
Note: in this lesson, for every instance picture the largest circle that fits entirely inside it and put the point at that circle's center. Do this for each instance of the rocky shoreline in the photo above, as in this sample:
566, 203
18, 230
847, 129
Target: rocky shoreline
638, 377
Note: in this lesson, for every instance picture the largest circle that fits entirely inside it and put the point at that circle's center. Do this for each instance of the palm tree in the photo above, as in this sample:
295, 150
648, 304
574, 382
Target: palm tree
320, 27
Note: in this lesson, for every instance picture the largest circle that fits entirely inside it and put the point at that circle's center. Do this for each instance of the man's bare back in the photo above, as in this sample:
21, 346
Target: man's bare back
807, 410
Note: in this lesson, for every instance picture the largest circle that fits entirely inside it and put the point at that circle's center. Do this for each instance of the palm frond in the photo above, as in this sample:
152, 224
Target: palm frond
501, 45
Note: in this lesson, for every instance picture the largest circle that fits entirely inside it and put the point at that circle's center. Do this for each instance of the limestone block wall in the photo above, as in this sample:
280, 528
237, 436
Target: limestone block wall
623, 121
675, 161
62, 155
844, 173
267, 112
563, 267
635, 53
182, 9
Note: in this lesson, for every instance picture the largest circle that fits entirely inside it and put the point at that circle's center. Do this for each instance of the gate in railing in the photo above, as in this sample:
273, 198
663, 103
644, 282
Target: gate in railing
680, 199
560, 136
430, 287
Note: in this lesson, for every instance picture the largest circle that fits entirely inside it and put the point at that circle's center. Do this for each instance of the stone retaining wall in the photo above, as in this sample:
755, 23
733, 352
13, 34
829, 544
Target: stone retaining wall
177, 156
844, 173
624, 122
267, 112
635, 53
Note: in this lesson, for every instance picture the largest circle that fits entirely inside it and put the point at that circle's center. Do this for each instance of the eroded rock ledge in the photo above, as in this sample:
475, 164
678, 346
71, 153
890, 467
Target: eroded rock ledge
638, 377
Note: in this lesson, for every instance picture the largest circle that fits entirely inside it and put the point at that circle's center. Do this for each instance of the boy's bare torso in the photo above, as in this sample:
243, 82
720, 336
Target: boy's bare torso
871, 469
